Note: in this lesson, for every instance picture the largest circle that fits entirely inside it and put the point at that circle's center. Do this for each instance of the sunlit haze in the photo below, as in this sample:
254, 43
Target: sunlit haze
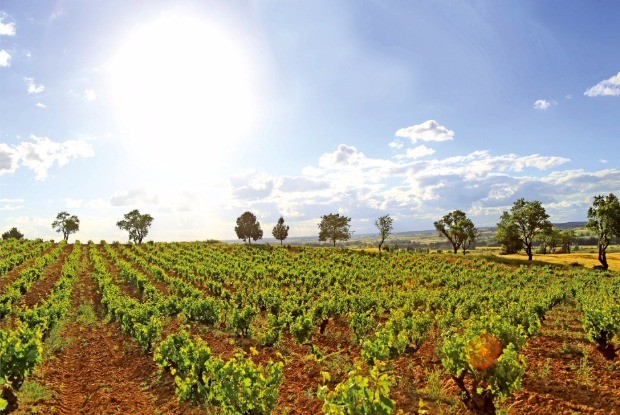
197, 111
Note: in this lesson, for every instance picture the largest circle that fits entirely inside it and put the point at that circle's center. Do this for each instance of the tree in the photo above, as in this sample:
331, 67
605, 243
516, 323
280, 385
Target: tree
604, 221
530, 220
568, 238
136, 224
508, 235
458, 228
13, 233
551, 239
67, 224
280, 231
248, 228
384, 224
334, 227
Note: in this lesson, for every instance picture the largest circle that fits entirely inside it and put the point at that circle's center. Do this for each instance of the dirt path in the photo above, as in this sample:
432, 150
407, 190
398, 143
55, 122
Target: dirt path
566, 374
101, 370
41, 288
12, 275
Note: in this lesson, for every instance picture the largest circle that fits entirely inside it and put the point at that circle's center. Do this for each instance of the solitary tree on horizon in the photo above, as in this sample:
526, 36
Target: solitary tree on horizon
458, 229
334, 227
248, 227
136, 224
384, 224
280, 231
67, 224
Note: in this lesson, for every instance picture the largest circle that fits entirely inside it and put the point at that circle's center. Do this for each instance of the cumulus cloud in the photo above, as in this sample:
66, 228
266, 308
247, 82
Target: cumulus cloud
543, 104
418, 152
252, 185
429, 130
5, 59
6, 29
418, 190
40, 105
34, 88
607, 87
40, 154
89, 95
134, 197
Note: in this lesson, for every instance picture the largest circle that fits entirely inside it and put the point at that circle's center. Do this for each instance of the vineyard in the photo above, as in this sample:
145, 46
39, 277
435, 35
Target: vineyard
192, 328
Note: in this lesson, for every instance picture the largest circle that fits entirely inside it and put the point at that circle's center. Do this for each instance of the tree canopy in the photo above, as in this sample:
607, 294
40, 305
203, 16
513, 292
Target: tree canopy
280, 231
248, 227
508, 235
67, 224
531, 221
458, 229
604, 221
384, 224
13, 233
334, 227
136, 224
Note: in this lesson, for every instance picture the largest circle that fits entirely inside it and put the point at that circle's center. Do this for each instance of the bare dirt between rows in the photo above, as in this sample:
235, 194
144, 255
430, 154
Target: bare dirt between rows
102, 371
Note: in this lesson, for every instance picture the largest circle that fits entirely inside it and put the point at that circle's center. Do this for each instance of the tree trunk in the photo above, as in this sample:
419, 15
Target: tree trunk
380, 244
528, 251
281, 241
456, 249
334, 243
602, 256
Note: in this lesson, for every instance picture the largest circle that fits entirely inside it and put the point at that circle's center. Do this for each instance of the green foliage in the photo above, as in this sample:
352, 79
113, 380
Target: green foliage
238, 386
13, 233
242, 320
602, 321
526, 221
280, 231
604, 221
359, 394
67, 224
361, 323
248, 228
334, 227
384, 224
136, 224
458, 229
301, 328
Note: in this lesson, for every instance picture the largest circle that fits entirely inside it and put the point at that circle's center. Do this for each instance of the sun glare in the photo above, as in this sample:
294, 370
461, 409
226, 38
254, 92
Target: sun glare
183, 87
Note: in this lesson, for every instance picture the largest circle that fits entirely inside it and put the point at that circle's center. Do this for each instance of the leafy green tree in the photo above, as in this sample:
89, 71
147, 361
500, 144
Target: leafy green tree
280, 231
248, 227
384, 224
334, 227
458, 228
604, 221
67, 224
508, 235
136, 224
531, 221
551, 239
568, 238
12, 233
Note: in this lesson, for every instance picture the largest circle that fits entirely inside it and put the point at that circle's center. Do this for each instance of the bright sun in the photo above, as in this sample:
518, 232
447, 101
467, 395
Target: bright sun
183, 86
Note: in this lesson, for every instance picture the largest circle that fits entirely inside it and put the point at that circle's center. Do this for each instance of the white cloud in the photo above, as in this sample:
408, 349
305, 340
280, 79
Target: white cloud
40, 105
607, 87
429, 130
41, 154
134, 197
6, 29
89, 95
603, 161
543, 104
74, 203
5, 59
33, 88
418, 152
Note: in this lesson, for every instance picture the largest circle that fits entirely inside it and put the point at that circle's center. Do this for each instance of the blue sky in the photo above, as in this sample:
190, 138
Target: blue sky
196, 111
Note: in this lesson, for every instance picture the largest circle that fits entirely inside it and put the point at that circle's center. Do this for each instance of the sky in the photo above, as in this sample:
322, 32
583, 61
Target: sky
197, 111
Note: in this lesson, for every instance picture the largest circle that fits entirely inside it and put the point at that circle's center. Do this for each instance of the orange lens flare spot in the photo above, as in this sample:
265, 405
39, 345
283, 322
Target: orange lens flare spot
483, 351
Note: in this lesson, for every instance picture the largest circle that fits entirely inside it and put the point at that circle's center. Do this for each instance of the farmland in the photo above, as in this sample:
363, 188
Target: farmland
226, 329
